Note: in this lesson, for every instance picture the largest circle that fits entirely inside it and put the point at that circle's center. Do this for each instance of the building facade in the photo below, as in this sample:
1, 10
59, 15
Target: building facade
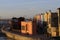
28, 27
52, 20
58, 11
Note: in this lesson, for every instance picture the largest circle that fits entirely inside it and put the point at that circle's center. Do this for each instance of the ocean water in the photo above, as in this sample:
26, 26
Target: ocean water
5, 38
2, 35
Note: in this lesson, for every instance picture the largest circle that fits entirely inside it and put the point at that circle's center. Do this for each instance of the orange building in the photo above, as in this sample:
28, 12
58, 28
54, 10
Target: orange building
27, 27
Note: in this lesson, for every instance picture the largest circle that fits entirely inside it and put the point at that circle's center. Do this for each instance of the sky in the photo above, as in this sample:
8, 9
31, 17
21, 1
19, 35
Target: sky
26, 8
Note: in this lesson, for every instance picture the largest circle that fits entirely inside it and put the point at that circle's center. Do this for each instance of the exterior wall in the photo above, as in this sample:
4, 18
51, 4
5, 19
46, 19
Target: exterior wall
46, 17
24, 25
58, 11
51, 30
29, 27
34, 28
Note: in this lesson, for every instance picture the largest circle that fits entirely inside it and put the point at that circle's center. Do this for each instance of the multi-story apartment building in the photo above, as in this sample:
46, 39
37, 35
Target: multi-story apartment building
28, 27
58, 11
52, 20
38, 20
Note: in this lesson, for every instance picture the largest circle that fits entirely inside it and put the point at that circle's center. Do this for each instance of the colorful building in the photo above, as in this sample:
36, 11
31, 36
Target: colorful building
38, 20
52, 20
28, 27
58, 11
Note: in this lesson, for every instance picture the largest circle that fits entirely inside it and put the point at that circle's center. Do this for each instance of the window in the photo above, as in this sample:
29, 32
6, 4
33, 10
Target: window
23, 28
54, 22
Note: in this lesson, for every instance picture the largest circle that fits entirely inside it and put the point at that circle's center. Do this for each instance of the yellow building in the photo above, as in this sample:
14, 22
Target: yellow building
47, 17
58, 11
52, 20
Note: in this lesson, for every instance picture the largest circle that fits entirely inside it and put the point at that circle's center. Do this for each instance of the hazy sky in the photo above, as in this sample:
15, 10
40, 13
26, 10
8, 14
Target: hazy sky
26, 8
